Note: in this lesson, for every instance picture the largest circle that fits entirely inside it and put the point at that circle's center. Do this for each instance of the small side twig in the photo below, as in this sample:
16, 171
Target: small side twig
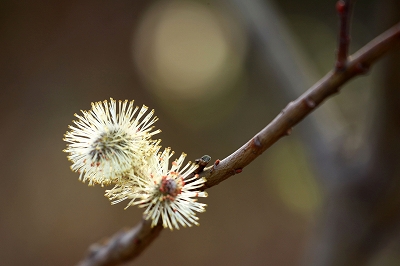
344, 9
202, 162
125, 246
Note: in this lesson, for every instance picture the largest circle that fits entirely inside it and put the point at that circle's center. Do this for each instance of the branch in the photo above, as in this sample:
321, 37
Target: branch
302, 106
124, 246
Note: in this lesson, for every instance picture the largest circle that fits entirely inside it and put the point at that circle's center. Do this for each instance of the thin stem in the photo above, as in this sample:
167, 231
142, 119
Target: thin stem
344, 9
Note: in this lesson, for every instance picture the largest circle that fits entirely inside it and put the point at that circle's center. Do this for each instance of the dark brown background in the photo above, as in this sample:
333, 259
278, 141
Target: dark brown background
57, 57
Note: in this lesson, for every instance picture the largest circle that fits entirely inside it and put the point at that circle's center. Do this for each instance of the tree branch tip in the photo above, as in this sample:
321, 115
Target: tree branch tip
340, 7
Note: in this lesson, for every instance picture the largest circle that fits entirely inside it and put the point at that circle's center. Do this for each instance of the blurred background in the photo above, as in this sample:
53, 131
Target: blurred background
216, 72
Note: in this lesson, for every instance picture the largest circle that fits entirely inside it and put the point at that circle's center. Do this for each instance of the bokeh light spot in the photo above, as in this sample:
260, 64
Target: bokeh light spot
188, 50
292, 178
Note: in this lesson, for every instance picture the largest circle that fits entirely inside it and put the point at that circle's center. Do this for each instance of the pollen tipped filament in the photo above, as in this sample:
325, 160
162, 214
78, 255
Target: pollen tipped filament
113, 143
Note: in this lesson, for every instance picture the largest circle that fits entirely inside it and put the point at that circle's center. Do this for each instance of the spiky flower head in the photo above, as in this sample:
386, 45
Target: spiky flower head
169, 194
110, 140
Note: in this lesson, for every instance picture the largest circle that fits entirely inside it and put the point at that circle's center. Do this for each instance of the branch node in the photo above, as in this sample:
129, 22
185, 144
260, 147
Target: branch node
310, 103
238, 171
341, 65
361, 68
289, 131
217, 162
256, 142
